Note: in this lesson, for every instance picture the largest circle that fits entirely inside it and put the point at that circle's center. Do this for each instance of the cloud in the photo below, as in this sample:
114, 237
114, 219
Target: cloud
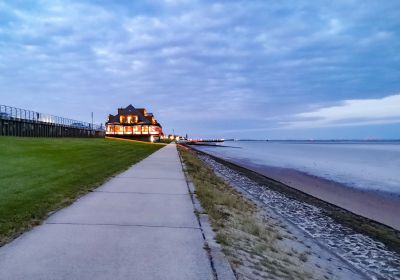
355, 112
236, 60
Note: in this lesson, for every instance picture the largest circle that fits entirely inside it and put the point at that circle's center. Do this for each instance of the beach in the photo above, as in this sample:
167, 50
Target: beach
369, 204
355, 244
369, 196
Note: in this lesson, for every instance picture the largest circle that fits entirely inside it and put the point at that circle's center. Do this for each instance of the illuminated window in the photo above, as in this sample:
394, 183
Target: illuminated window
128, 130
131, 119
137, 129
121, 119
119, 129
110, 129
153, 129
145, 129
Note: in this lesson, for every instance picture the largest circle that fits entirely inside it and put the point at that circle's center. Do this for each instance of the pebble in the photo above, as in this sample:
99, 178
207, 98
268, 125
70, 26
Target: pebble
365, 253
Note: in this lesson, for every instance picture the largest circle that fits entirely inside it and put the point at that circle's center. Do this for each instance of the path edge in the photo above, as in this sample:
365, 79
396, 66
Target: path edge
219, 263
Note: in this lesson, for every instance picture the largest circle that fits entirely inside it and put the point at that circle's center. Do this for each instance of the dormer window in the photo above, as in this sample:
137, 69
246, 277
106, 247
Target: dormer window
131, 119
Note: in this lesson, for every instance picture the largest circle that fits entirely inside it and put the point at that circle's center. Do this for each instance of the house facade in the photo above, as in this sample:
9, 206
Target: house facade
134, 123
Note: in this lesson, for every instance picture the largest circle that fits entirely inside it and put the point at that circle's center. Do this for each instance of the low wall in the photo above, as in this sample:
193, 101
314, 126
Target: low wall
134, 137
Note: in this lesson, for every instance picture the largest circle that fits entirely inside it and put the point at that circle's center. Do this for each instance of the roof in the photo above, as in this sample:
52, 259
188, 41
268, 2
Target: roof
131, 110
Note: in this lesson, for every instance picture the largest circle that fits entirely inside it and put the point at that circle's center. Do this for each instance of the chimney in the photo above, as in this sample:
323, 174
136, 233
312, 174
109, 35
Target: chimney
142, 111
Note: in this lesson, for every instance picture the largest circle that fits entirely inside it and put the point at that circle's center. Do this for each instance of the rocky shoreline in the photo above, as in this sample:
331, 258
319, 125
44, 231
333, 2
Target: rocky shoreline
364, 255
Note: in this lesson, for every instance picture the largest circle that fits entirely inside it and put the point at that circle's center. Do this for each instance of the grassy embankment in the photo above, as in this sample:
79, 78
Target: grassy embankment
40, 175
253, 246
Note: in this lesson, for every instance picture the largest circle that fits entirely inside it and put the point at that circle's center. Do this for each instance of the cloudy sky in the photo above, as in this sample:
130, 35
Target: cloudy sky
243, 69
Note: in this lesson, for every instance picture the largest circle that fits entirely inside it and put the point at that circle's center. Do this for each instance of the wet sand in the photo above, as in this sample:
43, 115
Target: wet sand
370, 249
377, 206
372, 205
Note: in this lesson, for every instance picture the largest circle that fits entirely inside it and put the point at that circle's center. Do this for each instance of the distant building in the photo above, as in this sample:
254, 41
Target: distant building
134, 123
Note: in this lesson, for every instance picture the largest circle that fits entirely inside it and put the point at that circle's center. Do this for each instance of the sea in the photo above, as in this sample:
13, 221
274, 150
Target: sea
365, 165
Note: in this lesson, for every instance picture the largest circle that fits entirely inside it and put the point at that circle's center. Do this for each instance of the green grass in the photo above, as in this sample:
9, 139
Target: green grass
251, 242
40, 175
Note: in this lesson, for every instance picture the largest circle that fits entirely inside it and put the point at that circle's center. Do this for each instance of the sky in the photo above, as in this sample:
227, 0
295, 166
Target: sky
233, 69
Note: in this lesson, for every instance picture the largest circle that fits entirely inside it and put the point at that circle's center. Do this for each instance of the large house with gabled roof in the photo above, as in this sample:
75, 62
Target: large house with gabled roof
135, 123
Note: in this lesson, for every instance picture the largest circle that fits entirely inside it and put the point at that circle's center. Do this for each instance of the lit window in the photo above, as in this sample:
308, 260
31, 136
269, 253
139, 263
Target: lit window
119, 129
153, 129
110, 129
121, 119
137, 129
128, 130
145, 129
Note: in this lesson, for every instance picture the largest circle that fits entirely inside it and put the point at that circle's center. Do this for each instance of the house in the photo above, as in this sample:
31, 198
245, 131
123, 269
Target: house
134, 123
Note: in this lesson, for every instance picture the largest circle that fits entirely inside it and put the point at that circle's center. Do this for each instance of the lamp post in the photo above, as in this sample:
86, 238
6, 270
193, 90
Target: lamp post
92, 124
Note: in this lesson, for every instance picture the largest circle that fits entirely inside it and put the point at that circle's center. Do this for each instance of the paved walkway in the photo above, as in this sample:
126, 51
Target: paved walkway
139, 225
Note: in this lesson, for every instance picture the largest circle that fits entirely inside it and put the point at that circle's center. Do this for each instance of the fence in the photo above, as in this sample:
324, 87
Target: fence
21, 122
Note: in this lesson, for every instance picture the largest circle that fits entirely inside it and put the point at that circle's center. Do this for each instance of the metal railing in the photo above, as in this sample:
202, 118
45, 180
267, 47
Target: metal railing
8, 112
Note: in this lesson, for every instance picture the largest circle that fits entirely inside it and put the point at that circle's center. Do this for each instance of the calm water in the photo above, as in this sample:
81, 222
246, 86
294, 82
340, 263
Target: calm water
368, 166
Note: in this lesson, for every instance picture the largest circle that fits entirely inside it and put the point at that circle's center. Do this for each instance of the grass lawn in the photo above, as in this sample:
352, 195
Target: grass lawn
40, 175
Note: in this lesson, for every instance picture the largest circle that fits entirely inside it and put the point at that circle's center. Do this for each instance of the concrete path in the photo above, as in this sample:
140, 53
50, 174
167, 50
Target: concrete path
139, 225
